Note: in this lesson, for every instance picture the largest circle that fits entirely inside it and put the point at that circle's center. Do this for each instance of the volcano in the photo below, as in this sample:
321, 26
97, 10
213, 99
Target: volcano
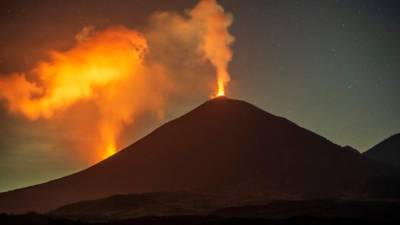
223, 146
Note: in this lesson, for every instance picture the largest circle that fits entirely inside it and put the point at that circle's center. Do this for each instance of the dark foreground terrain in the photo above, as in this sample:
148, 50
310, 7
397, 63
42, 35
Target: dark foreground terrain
196, 220
276, 212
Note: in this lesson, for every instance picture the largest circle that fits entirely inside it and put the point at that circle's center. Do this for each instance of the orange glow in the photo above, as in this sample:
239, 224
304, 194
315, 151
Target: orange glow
221, 89
118, 75
98, 68
77, 74
110, 150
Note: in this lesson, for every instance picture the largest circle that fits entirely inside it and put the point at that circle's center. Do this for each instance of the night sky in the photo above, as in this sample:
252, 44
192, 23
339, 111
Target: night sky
329, 66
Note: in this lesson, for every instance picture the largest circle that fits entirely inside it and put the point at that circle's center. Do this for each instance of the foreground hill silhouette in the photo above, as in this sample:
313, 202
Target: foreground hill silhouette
388, 151
161, 204
223, 146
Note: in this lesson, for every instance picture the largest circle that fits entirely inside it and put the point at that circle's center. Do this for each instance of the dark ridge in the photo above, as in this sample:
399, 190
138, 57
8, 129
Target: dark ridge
387, 152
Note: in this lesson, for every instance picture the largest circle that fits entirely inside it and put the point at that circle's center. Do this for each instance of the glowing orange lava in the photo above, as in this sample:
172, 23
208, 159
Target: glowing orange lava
221, 89
110, 150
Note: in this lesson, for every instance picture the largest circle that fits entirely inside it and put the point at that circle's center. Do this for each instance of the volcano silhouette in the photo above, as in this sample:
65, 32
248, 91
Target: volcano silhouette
388, 151
222, 146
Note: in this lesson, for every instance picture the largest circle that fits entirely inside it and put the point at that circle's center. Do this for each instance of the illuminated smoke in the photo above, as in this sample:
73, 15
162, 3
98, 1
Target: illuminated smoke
126, 72
217, 40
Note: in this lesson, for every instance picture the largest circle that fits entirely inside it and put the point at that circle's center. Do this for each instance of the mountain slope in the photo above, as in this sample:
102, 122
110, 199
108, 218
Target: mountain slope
388, 151
224, 145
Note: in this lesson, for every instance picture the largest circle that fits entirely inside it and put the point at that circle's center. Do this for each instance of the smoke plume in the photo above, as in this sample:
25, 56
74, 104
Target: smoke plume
126, 72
